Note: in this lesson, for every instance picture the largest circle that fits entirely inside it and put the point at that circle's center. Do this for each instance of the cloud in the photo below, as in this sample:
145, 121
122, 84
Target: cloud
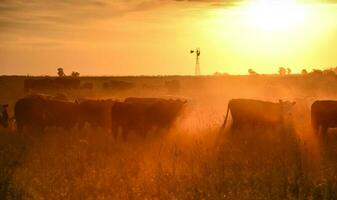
22, 14
36, 17
59, 18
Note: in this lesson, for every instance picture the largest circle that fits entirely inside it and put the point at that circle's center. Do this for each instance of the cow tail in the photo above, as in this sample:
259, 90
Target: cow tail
217, 141
224, 123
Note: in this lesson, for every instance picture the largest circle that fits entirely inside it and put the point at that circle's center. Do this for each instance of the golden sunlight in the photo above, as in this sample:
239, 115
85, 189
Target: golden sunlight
276, 16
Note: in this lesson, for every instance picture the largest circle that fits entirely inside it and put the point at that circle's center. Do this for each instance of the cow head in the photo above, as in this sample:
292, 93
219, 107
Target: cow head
4, 119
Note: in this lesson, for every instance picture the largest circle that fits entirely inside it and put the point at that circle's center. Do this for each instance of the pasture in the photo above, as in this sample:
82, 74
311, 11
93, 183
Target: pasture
192, 161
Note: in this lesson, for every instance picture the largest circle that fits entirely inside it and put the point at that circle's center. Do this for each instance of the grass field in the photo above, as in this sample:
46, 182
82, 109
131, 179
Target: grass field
192, 161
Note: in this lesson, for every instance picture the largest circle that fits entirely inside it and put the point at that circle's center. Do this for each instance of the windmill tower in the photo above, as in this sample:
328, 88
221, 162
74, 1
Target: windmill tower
197, 63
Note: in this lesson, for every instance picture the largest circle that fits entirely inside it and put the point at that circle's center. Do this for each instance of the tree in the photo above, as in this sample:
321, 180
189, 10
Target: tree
75, 74
316, 72
329, 72
304, 72
288, 71
282, 71
60, 72
252, 72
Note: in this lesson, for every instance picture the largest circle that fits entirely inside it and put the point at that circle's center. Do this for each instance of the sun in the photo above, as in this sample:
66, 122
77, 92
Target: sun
275, 16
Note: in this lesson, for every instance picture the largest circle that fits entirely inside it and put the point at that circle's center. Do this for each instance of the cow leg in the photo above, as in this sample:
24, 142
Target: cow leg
19, 127
125, 133
144, 132
80, 125
316, 130
315, 126
234, 126
115, 130
39, 128
323, 131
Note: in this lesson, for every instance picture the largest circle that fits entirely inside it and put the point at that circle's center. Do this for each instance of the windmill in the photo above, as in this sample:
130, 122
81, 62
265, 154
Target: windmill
197, 64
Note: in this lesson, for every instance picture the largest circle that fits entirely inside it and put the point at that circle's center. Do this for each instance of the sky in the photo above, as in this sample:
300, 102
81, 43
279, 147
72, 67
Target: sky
154, 37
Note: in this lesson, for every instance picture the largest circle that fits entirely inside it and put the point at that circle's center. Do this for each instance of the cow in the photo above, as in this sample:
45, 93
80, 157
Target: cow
323, 116
87, 86
252, 113
118, 85
146, 100
39, 112
143, 115
67, 83
158, 105
4, 118
60, 97
95, 112
172, 86
40, 84
47, 83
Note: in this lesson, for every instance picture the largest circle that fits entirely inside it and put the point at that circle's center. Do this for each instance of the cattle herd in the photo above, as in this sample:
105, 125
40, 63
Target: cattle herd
142, 115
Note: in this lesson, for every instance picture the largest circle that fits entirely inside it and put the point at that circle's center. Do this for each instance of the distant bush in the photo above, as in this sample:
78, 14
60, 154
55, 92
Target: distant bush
282, 71
220, 74
316, 72
75, 74
60, 72
304, 72
288, 71
252, 72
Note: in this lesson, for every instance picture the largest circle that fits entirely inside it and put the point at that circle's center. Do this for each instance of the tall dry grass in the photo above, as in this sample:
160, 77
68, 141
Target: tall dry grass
193, 161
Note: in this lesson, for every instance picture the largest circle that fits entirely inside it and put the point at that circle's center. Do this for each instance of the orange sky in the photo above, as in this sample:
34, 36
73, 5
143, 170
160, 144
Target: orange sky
153, 37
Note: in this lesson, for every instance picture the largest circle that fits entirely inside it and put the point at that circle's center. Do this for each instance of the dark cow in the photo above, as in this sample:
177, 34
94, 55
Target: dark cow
67, 83
38, 84
118, 85
323, 116
48, 83
4, 119
87, 86
172, 86
60, 97
38, 112
143, 115
148, 100
96, 112
251, 113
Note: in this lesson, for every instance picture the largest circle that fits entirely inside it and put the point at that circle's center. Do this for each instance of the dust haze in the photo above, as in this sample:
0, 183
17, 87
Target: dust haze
192, 160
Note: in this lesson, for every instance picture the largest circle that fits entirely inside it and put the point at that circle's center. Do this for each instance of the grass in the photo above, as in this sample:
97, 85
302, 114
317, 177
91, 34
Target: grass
191, 162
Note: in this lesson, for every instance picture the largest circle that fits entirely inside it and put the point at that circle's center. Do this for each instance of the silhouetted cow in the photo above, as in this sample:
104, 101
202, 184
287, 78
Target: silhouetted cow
323, 116
251, 113
38, 84
87, 86
38, 112
67, 83
143, 115
172, 86
118, 85
60, 97
147, 100
4, 119
96, 112
47, 83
